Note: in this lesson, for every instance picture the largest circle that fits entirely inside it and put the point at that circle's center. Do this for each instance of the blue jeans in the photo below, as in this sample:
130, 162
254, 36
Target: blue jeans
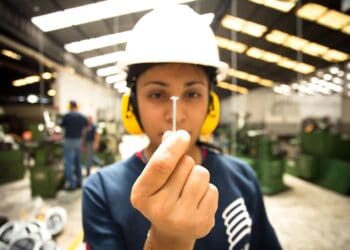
72, 165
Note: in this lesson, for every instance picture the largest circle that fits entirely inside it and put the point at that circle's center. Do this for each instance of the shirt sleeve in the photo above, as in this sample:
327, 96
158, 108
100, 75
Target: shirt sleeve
100, 230
263, 235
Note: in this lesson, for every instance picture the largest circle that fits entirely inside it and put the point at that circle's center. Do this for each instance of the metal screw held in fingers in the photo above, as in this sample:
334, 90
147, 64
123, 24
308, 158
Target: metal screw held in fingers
174, 99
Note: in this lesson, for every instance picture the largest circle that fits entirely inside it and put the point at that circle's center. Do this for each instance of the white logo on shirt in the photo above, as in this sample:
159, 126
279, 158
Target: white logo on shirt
237, 221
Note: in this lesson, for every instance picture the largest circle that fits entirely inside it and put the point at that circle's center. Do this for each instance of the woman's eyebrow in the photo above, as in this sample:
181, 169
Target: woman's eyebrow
191, 83
158, 83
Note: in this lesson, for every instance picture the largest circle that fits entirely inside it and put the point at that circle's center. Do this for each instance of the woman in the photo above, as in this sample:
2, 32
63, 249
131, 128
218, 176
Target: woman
176, 193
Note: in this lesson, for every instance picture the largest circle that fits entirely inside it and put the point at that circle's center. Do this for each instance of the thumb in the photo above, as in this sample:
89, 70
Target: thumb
162, 163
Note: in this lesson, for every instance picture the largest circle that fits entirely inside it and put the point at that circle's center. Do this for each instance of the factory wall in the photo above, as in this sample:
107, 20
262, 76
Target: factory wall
93, 99
278, 111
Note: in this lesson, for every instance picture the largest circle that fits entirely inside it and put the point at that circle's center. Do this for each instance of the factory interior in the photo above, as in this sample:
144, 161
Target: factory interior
285, 110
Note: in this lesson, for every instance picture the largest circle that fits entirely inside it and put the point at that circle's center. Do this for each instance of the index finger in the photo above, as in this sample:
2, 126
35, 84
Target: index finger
162, 163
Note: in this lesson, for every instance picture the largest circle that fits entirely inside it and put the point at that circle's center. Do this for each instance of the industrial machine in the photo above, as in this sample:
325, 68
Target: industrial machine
325, 157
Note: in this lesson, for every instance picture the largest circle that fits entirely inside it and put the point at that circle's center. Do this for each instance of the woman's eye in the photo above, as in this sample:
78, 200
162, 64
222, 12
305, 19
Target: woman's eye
193, 94
157, 96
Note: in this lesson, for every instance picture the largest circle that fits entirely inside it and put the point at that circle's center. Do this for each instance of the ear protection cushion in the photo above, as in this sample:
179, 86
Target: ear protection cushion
212, 119
128, 116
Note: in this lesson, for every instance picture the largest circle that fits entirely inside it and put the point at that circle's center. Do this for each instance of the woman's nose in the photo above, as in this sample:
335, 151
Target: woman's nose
175, 114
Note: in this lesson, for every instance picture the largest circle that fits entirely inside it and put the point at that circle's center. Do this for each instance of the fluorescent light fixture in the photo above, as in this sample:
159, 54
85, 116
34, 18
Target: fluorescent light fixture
94, 12
231, 45
25, 81
346, 29
276, 36
304, 68
333, 55
51, 92
255, 52
46, 75
306, 46
111, 70
270, 57
250, 77
97, 42
116, 78
315, 49
311, 11
281, 5
294, 42
11, 54
103, 59
334, 19
32, 98
287, 63
244, 26
232, 87
283, 89
322, 15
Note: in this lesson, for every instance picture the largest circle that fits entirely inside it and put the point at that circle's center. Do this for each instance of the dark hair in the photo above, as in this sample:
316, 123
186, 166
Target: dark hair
73, 104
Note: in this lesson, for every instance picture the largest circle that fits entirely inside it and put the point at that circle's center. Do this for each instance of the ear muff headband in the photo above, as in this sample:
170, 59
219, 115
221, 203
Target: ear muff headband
129, 119
212, 119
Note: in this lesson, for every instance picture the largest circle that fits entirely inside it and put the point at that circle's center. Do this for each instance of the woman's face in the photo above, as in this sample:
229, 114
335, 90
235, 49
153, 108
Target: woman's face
155, 87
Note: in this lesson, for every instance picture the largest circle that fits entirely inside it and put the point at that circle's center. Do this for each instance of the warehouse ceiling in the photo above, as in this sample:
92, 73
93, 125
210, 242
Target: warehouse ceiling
257, 60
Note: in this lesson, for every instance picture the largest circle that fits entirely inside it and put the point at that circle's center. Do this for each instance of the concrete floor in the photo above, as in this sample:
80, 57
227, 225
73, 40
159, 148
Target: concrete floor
305, 216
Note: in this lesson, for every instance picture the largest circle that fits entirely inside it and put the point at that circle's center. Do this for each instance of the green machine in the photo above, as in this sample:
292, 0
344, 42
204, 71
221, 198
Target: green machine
267, 160
325, 159
47, 175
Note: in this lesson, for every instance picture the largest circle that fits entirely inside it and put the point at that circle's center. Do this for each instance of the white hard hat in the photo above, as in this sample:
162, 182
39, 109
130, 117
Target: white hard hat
174, 34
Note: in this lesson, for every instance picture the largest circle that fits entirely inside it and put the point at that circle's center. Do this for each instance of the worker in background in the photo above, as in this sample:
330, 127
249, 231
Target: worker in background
177, 193
73, 123
91, 143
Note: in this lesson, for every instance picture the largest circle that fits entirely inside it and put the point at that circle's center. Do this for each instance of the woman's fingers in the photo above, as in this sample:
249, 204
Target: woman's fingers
161, 165
195, 187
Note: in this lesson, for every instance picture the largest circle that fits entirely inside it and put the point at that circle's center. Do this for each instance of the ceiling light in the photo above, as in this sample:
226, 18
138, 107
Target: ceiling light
335, 56
108, 71
304, 68
51, 92
97, 42
270, 57
327, 77
232, 87
46, 75
311, 11
287, 63
26, 80
334, 19
276, 36
116, 78
103, 59
295, 42
337, 80
254, 29
233, 23
255, 52
334, 70
250, 77
346, 29
11, 54
93, 12
32, 98
347, 76
281, 5
231, 45
315, 49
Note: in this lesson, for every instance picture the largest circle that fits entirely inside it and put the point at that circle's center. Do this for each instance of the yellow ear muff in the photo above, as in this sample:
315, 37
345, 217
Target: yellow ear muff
213, 116
128, 116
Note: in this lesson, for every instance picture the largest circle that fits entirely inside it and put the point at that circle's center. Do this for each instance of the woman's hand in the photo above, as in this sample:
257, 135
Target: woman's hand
175, 195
